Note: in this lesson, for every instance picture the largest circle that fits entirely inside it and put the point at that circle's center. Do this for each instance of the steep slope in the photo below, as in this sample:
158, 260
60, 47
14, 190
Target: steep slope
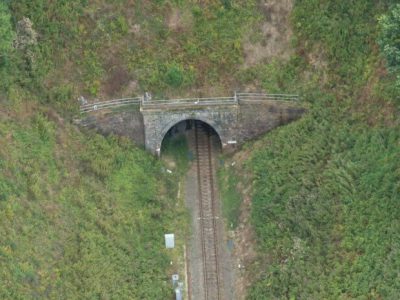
81, 216
326, 189
98, 49
325, 210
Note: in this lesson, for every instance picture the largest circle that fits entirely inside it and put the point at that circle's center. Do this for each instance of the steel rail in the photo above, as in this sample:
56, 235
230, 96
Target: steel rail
207, 210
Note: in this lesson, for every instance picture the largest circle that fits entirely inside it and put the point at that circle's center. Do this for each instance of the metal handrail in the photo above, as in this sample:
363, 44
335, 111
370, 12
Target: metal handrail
237, 98
262, 97
268, 96
190, 101
265, 94
110, 103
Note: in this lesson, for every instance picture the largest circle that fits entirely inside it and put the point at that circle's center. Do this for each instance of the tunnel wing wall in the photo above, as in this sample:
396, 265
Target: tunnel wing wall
257, 118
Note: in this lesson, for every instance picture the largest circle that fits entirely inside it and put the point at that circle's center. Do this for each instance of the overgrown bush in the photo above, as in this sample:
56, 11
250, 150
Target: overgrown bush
326, 187
325, 210
389, 40
81, 216
174, 76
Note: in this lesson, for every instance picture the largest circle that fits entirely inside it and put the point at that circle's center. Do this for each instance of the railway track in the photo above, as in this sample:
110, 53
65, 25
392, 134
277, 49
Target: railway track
208, 213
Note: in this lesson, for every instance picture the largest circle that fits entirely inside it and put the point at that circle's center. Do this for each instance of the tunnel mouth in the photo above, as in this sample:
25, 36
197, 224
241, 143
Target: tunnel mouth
176, 143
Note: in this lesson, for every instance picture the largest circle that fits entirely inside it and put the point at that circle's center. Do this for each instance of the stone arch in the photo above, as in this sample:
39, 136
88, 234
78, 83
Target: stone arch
171, 124
158, 122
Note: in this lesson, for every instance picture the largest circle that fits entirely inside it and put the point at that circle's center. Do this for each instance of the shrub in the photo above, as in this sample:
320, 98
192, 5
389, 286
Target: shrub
174, 76
389, 40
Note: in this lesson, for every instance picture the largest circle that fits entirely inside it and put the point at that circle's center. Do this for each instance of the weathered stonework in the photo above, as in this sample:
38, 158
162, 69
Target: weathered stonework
234, 124
257, 118
157, 122
125, 123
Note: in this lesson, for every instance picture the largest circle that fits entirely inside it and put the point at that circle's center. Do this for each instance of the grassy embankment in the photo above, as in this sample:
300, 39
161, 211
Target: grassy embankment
326, 189
81, 216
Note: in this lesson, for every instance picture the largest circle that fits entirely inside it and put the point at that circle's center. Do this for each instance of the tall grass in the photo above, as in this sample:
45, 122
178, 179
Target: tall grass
327, 187
325, 210
81, 216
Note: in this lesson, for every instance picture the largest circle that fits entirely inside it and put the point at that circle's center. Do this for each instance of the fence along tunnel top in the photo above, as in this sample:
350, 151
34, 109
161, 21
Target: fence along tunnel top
146, 102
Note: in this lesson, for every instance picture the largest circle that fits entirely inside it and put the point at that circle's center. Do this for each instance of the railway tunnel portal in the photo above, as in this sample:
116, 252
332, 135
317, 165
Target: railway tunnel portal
157, 123
235, 119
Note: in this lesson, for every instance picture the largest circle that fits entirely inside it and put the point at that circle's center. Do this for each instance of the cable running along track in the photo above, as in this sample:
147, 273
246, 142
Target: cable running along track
207, 218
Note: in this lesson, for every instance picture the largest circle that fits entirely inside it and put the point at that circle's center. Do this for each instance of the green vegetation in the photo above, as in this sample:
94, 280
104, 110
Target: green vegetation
81, 216
326, 210
175, 149
6, 37
326, 188
325, 204
100, 50
6, 32
390, 40
230, 197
